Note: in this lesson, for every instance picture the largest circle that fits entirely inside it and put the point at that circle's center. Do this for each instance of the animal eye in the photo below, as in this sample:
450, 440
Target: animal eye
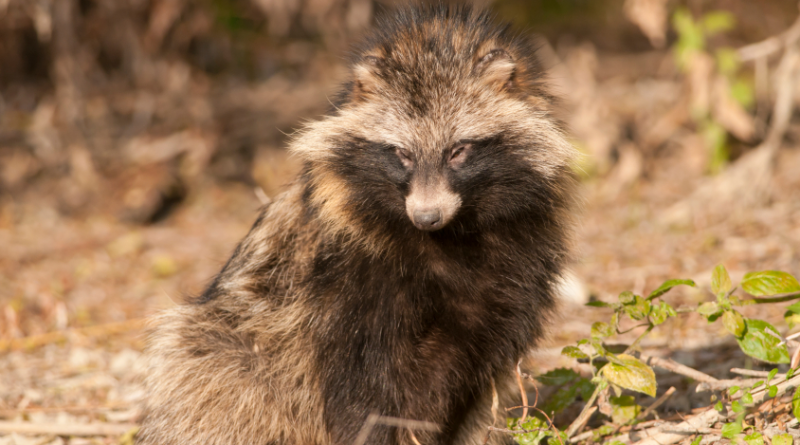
405, 157
459, 154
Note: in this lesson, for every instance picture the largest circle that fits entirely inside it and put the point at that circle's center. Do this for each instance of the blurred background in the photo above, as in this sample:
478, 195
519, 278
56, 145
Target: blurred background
138, 138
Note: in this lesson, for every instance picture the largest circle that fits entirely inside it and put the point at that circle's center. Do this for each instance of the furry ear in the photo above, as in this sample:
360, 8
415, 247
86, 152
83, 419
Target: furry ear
496, 68
366, 76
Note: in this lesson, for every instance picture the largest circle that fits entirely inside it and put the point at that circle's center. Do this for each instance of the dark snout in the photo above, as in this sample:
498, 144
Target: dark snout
428, 219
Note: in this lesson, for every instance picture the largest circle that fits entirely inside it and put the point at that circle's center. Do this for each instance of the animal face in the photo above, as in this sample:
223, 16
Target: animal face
444, 125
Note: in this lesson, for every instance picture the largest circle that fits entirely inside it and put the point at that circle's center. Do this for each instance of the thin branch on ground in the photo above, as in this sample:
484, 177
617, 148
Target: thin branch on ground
522, 393
750, 372
658, 402
101, 330
677, 368
771, 45
89, 429
375, 419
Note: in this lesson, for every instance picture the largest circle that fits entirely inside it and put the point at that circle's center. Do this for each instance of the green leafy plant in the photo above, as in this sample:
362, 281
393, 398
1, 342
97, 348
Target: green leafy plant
723, 83
620, 371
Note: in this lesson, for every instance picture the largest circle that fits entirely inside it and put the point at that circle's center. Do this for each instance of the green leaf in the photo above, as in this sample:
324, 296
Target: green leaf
697, 440
660, 312
747, 398
742, 91
558, 377
716, 138
598, 347
708, 309
719, 406
601, 330
585, 388
769, 282
789, 373
560, 400
531, 423
601, 431
690, 37
727, 61
782, 439
631, 374
627, 297
720, 281
754, 439
717, 21
792, 315
561, 439
624, 409
574, 352
773, 391
639, 310
598, 304
729, 430
761, 345
796, 404
772, 374
736, 406
667, 285
734, 323
733, 390
757, 384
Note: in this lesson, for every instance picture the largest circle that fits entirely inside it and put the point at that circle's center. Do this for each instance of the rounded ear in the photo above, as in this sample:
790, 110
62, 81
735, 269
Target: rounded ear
496, 68
366, 76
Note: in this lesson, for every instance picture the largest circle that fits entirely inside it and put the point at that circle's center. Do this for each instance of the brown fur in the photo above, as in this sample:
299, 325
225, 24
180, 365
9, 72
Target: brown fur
335, 305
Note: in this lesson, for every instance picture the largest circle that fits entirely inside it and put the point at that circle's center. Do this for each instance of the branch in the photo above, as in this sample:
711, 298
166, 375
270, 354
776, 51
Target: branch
677, 368
102, 330
90, 429
771, 45
374, 419
658, 402
584, 416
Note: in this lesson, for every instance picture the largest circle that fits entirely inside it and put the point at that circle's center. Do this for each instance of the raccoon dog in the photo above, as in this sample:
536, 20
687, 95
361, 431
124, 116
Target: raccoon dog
404, 273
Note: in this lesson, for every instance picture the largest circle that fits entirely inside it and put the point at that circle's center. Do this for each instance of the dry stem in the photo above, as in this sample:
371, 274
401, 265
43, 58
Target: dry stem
91, 429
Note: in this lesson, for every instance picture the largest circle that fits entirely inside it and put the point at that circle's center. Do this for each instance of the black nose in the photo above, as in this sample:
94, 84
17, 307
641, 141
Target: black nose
428, 219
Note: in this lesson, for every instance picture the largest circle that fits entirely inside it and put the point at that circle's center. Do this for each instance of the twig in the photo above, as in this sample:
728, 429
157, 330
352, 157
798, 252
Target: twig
34, 341
677, 368
635, 345
770, 45
89, 429
506, 430
375, 419
413, 437
522, 394
658, 402
750, 372
584, 416
795, 358
495, 407
725, 384
58, 409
